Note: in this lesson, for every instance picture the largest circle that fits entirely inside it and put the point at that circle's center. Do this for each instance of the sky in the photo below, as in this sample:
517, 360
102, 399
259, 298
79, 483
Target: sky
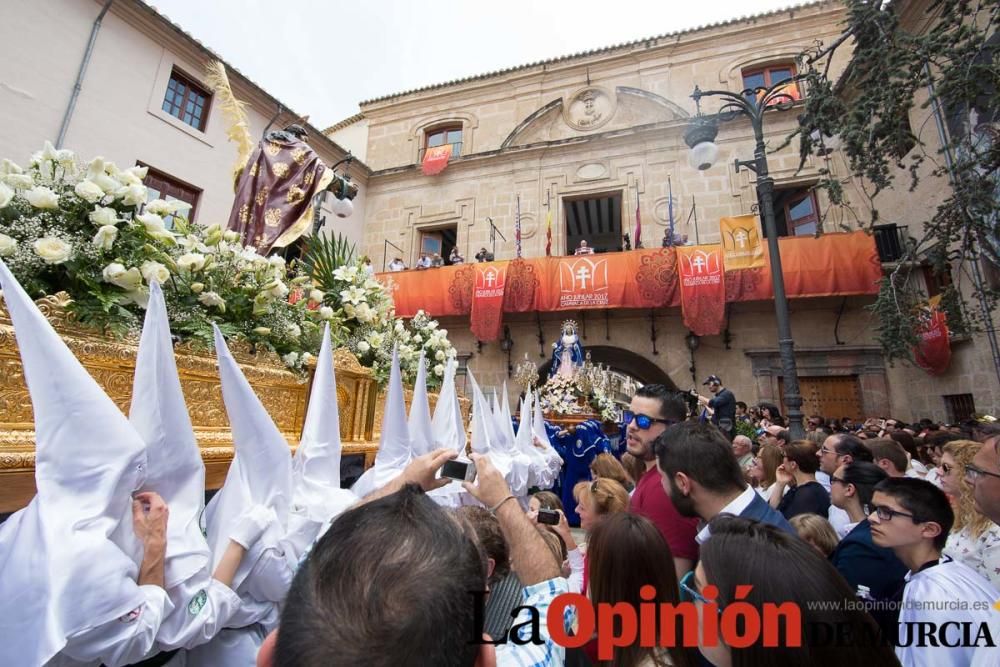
323, 57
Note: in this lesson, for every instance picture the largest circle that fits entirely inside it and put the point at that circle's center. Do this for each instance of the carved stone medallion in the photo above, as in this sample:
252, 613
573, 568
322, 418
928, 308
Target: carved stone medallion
589, 108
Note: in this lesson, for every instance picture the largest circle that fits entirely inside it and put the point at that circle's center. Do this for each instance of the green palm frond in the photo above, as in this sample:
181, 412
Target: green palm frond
322, 255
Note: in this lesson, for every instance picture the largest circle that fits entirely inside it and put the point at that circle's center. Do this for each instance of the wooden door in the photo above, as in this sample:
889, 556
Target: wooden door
830, 397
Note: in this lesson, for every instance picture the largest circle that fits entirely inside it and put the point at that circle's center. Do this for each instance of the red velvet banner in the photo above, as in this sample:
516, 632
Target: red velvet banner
703, 288
933, 353
833, 264
487, 300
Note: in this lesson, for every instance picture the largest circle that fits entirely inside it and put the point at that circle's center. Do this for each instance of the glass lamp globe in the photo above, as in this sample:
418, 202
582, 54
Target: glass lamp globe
343, 208
703, 155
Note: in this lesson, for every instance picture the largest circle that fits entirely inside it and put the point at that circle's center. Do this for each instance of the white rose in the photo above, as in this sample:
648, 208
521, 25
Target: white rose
6, 194
212, 299
8, 245
439, 370
109, 185
325, 313
20, 181
440, 355
277, 261
154, 271
306, 358
290, 358
191, 261
132, 195
364, 313
349, 310
316, 296
102, 216
42, 197
293, 331
158, 207
89, 191
116, 274
105, 237
153, 223
363, 347
276, 289
53, 250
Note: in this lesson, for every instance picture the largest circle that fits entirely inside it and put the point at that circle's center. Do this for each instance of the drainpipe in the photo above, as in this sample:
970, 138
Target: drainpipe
977, 276
83, 71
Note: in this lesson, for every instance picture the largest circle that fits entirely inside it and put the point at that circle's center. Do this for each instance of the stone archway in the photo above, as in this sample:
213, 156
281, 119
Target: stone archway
623, 361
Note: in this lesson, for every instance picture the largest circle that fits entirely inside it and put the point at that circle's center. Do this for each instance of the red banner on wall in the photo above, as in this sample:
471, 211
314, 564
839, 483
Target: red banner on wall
703, 288
487, 300
435, 160
933, 352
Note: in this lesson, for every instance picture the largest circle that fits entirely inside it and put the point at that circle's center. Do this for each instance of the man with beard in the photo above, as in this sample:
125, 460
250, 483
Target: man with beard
700, 474
652, 410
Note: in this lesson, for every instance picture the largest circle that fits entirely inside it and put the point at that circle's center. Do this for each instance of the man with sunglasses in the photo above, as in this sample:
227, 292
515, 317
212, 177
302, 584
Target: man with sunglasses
653, 409
944, 599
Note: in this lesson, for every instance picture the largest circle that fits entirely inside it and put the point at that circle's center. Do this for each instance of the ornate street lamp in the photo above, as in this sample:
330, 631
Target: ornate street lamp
343, 190
700, 137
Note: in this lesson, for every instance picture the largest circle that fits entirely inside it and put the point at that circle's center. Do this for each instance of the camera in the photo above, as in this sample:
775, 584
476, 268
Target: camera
463, 471
548, 517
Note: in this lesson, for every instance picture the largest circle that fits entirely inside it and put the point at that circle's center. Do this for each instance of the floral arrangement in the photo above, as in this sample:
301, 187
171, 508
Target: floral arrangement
562, 395
88, 230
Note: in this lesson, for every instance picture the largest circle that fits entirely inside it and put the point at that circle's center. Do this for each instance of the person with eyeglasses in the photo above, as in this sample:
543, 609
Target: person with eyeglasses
984, 475
913, 518
856, 557
974, 539
840, 449
652, 410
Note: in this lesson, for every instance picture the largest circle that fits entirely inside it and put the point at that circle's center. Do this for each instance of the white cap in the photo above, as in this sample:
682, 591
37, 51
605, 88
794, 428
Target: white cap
70, 557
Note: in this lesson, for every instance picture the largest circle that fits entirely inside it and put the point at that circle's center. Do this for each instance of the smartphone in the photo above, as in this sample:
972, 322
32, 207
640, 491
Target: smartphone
463, 471
549, 517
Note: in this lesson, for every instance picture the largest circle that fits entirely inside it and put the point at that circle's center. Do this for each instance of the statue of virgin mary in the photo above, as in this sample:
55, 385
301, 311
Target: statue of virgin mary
567, 353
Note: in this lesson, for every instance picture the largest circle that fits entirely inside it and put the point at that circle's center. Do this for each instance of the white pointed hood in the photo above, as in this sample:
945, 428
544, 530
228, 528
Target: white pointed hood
538, 431
261, 471
481, 419
447, 424
520, 463
419, 425
68, 560
175, 470
394, 445
538, 473
316, 492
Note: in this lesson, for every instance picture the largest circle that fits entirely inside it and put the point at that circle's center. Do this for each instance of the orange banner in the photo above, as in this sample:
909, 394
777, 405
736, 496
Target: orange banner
487, 300
741, 242
833, 264
703, 288
435, 159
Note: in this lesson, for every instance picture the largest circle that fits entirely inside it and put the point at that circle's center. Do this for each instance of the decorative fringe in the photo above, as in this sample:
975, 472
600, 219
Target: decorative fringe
234, 111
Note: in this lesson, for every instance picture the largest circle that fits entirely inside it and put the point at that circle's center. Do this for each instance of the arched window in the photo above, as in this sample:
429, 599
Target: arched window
765, 77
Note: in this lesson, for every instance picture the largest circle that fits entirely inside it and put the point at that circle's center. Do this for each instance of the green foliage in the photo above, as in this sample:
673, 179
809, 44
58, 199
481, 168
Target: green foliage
948, 54
322, 255
747, 429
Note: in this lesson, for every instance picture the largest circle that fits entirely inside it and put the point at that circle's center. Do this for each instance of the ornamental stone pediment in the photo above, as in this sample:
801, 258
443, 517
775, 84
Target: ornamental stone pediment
592, 110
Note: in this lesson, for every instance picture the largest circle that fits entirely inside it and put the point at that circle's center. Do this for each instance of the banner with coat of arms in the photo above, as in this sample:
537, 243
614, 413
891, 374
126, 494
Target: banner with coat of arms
703, 288
741, 242
487, 300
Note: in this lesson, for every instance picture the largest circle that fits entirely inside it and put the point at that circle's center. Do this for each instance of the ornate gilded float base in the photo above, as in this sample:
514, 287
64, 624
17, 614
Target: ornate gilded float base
112, 363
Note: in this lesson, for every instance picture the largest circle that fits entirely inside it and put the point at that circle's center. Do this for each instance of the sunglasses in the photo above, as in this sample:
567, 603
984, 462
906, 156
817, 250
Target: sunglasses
886, 513
644, 421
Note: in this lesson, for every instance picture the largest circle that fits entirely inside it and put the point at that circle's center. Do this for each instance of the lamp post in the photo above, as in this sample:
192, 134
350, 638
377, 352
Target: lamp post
344, 191
700, 137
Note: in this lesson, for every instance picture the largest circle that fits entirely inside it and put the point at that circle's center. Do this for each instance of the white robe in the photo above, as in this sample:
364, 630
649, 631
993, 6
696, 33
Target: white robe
948, 582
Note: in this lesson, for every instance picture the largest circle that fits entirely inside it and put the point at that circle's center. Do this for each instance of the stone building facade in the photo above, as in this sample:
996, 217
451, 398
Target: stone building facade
604, 130
137, 59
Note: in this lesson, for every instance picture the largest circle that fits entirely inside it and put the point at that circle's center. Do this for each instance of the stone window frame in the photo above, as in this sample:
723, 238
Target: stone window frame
731, 75
468, 122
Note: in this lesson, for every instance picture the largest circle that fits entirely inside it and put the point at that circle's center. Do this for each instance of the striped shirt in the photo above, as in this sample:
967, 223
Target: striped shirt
548, 653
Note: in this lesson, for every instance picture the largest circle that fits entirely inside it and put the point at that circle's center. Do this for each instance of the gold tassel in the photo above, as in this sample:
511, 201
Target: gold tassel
235, 113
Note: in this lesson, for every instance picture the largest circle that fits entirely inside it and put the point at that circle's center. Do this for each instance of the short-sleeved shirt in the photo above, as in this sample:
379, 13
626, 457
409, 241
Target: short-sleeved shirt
808, 498
651, 501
